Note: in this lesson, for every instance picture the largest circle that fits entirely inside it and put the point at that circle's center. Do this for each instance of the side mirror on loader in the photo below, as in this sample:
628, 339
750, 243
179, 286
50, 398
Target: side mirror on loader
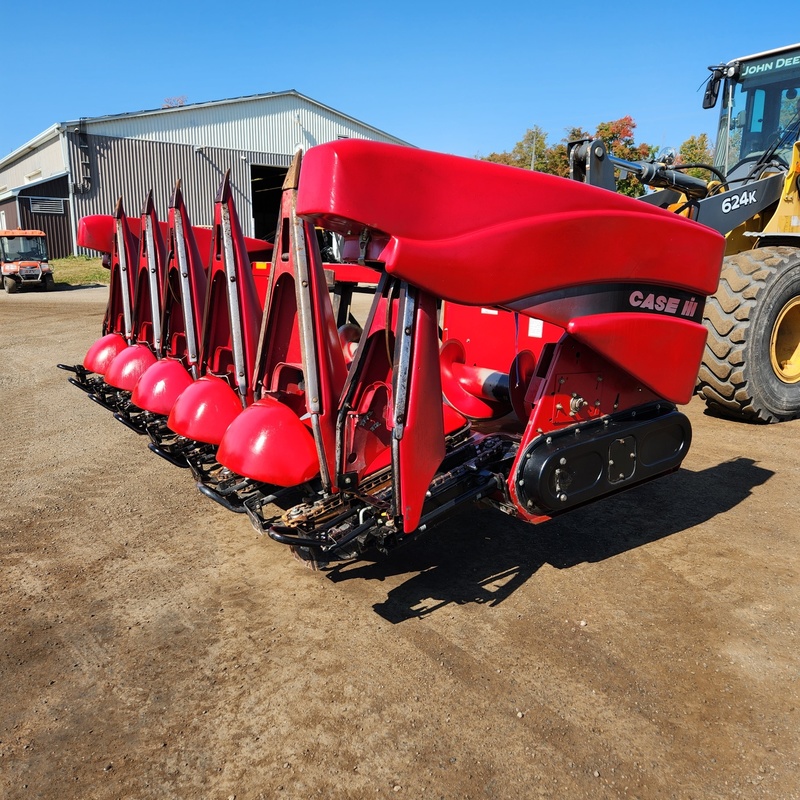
712, 87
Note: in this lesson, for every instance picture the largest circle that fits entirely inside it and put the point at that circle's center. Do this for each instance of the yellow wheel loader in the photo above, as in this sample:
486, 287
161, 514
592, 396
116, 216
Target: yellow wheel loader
751, 365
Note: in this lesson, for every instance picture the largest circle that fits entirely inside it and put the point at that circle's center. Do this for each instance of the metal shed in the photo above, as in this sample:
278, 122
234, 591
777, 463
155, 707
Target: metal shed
81, 167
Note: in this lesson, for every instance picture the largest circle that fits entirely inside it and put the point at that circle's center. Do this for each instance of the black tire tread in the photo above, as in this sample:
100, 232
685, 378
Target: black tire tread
724, 380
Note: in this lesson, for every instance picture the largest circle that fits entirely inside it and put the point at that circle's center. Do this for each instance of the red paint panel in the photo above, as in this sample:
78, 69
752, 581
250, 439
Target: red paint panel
662, 352
205, 410
160, 386
462, 384
143, 312
421, 449
100, 355
126, 369
492, 337
96, 232
114, 319
175, 323
217, 347
268, 442
353, 273
529, 256
530, 233
280, 364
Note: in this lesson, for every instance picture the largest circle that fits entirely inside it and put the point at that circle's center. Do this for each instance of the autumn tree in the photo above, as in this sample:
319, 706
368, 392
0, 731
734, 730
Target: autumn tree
696, 150
533, 151
619, 141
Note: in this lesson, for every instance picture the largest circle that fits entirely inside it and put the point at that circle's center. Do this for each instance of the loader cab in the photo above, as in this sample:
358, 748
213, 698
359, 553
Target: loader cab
760, 114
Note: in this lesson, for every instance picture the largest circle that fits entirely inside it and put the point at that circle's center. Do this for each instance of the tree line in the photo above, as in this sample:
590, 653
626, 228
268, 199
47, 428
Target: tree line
534, 151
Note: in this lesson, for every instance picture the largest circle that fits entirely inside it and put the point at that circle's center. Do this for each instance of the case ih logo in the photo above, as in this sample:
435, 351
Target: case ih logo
666, 304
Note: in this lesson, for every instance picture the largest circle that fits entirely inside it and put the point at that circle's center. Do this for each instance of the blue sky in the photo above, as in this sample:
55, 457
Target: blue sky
465, 78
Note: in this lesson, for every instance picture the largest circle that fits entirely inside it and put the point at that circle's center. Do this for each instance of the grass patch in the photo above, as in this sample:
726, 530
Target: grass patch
79, 271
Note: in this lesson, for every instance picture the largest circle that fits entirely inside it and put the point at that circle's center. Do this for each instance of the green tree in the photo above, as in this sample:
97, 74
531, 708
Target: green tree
696, 150
528, 153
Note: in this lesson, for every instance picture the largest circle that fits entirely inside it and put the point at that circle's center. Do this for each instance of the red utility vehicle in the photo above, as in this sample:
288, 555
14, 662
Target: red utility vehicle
23, 260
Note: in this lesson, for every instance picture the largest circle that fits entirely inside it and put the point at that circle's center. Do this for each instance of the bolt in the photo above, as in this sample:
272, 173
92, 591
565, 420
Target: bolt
562, 461
563, 498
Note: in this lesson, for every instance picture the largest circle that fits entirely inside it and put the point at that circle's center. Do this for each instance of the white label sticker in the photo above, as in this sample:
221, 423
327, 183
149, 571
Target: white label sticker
535, 328
492, 311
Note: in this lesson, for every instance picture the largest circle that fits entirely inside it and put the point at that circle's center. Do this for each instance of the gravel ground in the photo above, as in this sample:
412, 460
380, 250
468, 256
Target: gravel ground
152, 645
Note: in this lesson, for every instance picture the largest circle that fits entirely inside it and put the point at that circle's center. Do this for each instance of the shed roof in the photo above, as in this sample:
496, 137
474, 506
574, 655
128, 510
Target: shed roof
59, 127
228, 101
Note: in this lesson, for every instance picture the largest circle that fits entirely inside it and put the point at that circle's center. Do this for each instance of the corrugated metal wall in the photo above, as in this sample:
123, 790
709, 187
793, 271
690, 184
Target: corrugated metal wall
45, 207
131, 167
8, 217
271, 123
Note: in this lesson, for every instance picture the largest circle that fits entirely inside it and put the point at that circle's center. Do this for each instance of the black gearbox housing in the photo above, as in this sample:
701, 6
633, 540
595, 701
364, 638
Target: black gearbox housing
571, 467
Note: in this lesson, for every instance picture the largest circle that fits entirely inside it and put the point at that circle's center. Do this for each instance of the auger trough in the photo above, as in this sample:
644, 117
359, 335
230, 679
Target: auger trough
527, 343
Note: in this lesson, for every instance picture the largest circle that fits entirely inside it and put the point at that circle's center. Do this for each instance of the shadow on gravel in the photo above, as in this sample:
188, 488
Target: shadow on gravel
481, 556
68, 287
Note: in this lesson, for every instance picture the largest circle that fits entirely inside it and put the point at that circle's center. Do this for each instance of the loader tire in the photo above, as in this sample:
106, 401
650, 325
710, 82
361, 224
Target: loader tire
751, 364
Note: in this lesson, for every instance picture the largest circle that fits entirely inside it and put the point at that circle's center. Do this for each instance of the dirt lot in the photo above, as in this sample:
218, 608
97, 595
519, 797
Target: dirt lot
151, 645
